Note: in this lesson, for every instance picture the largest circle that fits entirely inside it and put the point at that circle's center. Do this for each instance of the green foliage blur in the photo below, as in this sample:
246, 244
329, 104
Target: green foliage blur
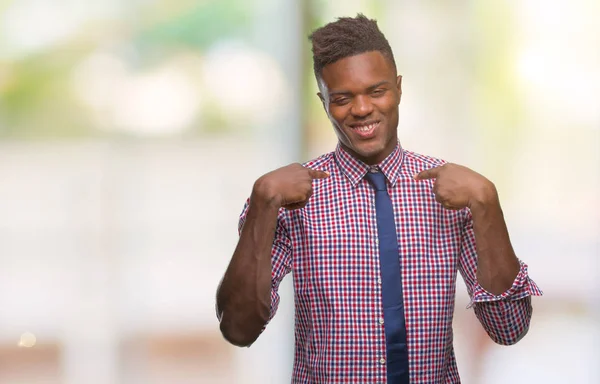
37, 100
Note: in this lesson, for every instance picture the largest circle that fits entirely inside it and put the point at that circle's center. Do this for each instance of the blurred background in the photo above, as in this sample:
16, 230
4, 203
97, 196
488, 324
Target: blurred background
131, 133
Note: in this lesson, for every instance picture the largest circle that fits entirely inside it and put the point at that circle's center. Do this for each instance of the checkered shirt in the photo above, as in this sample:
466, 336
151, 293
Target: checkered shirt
330, 246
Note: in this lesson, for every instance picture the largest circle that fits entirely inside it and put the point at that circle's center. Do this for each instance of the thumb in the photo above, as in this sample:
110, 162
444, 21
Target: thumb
317, 174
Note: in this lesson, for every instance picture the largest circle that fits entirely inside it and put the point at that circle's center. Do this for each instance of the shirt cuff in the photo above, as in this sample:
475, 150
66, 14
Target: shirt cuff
521, 288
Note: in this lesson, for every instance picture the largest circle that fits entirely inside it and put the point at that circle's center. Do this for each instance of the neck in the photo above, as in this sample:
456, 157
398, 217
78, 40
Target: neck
373, 159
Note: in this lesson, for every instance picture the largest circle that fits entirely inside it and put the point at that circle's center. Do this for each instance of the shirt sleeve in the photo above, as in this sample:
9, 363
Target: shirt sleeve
281, 257
505, 317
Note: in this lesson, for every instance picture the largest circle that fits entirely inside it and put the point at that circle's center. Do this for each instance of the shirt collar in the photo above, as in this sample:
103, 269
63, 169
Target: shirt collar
355, 170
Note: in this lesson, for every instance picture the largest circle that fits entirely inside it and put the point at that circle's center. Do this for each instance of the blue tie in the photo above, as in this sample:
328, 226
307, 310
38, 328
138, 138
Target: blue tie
391, 283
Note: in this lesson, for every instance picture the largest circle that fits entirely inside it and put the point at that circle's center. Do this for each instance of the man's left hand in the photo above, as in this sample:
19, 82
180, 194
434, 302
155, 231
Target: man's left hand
456, 187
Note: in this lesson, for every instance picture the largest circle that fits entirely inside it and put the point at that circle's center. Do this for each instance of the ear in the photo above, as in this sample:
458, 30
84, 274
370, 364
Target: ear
399, 87
322, 101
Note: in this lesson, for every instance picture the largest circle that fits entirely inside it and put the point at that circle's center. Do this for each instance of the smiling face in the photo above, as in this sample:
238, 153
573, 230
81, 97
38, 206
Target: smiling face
361, 95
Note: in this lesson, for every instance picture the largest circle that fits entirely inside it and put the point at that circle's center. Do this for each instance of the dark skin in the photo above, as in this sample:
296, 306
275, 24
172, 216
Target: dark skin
361, 95
244, 295
357, 91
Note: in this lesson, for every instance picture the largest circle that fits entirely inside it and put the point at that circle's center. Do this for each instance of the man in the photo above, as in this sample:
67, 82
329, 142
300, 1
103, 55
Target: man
374, 235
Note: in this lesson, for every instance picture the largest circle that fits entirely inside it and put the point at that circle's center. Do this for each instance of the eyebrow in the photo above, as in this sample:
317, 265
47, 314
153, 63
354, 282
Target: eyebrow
370, 88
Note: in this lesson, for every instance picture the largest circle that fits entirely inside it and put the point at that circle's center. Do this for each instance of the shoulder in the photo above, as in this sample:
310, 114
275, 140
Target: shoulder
416, 162
322, 163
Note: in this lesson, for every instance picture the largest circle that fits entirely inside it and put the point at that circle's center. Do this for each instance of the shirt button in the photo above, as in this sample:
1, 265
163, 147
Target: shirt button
382, 361
379, 281
380, 321
377, 241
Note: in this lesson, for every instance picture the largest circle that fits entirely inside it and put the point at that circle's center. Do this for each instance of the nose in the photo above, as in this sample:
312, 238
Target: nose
361, 106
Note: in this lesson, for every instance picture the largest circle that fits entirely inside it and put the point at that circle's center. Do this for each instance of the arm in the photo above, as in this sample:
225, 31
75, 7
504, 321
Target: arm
247, 296
497, 264
244, 294
505, 315
497, 282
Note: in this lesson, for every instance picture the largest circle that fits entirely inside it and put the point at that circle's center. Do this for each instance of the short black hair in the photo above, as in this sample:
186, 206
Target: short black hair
345, 37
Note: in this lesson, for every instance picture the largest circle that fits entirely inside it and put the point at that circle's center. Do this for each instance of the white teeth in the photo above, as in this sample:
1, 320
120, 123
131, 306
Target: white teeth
366, 128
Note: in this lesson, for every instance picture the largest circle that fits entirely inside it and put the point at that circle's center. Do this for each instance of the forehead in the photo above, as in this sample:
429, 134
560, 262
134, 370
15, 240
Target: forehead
358, 72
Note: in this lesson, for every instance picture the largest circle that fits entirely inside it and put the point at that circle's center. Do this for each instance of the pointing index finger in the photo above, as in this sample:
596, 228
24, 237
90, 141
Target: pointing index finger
427, 174
317, 174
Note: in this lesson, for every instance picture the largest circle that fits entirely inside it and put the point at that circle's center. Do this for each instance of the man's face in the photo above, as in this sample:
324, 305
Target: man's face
361, 95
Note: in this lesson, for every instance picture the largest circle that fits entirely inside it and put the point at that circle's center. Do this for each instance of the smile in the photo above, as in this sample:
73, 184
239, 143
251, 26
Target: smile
366, 130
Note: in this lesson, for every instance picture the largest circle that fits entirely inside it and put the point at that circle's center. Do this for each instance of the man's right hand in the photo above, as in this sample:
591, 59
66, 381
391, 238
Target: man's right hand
244, 294
289, 187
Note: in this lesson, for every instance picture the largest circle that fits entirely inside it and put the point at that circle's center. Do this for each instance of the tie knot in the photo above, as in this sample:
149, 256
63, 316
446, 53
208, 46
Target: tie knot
377, 179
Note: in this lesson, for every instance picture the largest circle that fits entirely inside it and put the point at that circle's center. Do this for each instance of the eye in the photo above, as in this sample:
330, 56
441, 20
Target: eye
378, 92
340, 100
